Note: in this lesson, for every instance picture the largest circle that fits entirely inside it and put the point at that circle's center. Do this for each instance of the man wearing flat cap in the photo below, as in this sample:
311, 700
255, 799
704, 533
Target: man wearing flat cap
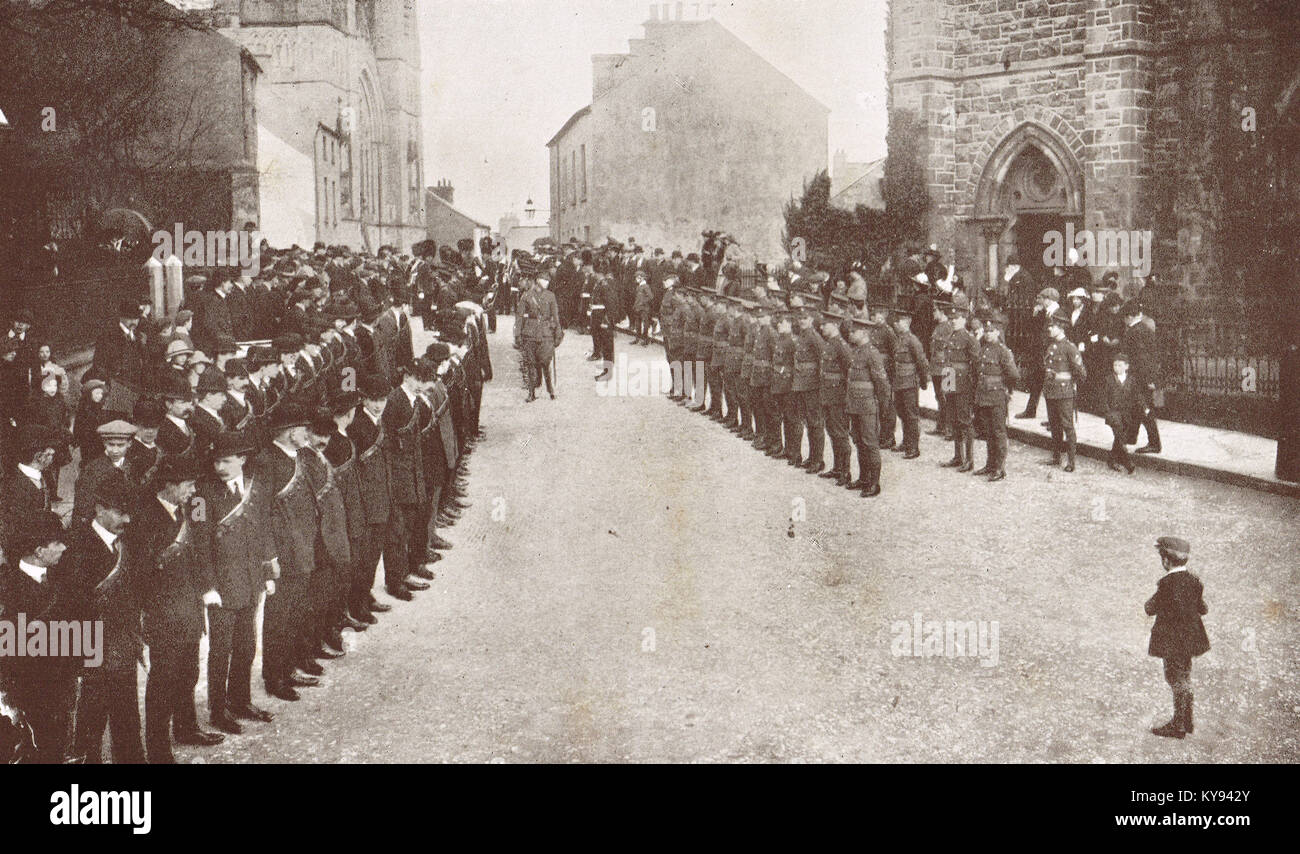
1178, 635
116, 436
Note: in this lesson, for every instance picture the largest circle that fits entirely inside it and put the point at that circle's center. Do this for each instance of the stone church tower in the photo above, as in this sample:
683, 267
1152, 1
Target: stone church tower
339, 118
1104, 115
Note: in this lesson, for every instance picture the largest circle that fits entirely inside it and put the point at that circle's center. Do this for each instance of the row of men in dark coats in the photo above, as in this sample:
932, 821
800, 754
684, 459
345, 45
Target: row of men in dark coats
287, 474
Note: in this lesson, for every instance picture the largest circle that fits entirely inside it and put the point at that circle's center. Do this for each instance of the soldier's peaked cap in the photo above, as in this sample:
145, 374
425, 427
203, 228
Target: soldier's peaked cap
1175, 547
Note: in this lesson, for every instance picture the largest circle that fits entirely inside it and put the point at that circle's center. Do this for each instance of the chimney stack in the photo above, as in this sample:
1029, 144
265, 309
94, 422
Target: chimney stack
445, 191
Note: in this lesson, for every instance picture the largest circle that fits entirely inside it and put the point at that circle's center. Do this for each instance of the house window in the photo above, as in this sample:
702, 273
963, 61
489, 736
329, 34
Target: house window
583, 164
573, 172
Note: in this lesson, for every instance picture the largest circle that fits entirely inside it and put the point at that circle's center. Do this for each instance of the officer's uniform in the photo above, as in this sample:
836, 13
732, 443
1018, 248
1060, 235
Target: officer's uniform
867, 387
1063, 370
997, 377
806, 389
961, 356
735, 354
537, 333
886, 342
783, 347
718, 364
910, 370
760, 383
704, 355
748, 414
836, 357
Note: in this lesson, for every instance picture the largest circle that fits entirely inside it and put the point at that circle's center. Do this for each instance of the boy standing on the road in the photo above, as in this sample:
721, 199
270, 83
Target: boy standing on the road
1178, 634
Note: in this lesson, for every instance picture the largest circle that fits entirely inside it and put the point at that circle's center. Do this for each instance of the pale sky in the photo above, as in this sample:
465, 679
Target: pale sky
502, 76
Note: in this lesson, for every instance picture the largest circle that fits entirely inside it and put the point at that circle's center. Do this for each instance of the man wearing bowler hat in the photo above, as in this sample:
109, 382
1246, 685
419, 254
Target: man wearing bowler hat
235, 533
367, 434
1178, 635
177, 585
293, 521
96, 582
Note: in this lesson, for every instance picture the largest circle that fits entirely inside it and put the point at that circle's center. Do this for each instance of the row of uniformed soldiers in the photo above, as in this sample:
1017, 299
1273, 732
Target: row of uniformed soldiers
282, 477
777, 367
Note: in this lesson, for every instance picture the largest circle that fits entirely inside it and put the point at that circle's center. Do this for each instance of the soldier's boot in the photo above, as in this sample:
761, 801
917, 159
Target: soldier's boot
836, 462
968, 461
1187, 713
990, 456
956, 455
1056, 458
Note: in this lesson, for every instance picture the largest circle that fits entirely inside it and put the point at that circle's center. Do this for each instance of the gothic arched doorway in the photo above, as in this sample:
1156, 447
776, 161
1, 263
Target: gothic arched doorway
1030, 187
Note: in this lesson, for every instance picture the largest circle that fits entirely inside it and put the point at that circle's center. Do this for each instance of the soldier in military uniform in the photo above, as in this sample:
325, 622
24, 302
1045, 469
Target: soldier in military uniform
867, 388
997, 377
688, 333
1178, 635
706, 318
235, 534
806, 387
737, 412
537, 334
760, 385
722, 316
748, 410
960, 356
1063, 372
910, 369
836, 357
783, 347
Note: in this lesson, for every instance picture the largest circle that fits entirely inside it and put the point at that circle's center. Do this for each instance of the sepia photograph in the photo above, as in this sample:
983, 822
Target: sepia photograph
607, 382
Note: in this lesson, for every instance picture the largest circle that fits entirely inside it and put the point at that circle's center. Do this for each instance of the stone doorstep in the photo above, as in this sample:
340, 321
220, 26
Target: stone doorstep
1154, 462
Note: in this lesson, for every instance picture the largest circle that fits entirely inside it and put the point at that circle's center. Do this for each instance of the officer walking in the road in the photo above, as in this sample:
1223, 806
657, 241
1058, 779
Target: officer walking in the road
538, 333
1063, 372
997, 377
1178, 635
